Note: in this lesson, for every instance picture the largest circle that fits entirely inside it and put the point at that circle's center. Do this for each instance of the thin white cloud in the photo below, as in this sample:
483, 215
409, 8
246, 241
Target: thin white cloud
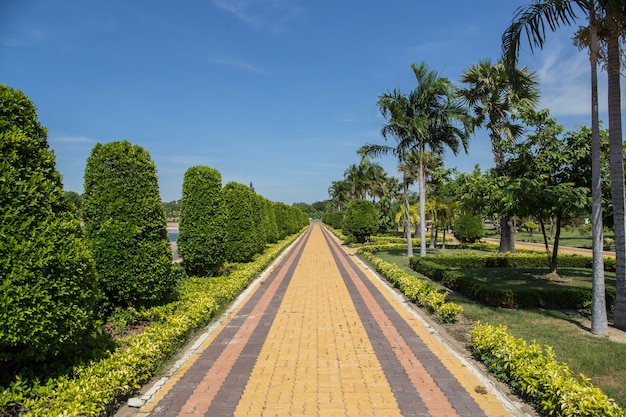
72, 139
233, 62
273, 14
564, 74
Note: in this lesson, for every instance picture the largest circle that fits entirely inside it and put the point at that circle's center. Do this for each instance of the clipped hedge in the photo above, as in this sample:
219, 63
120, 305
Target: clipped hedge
202, 233
416, 290
48, 282
561, 298
96, 389
125, 225
360, 220
531, 259
535, 373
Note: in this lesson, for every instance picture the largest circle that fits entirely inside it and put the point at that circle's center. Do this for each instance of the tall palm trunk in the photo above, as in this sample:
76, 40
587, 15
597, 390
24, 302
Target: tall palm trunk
617, 176
599, 324
407, 215
422, 203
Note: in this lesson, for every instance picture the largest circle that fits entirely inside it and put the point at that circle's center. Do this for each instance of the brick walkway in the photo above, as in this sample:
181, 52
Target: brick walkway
320, 335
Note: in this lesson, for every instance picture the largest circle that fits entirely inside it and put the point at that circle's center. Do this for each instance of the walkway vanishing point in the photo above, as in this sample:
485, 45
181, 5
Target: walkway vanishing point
319, 334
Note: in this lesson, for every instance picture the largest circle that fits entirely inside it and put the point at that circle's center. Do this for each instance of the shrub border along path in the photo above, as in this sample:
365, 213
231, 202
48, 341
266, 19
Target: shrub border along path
530, 370
96, 389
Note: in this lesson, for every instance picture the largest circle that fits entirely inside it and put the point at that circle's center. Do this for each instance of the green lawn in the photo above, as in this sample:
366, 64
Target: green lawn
567, 332
570, 236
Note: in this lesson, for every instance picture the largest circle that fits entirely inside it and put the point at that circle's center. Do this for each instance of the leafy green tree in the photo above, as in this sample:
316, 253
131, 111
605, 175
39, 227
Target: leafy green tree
171, 210
360, 220
243, 239
202, 225
125, 225
532, 19
468, 228
334, 219
492, 98
75, 198
48, 283
552, 174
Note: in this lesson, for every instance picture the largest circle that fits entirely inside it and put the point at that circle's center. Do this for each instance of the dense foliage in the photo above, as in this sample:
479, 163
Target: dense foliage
444, 269
125, 225
415, 289
360, 220
48, 281
97, 388
202, 229
290, 219
468, 228
272, 233
244, 240
536, 374
334, 219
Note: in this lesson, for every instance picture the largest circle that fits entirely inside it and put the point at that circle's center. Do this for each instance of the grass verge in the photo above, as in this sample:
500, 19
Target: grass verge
567, 332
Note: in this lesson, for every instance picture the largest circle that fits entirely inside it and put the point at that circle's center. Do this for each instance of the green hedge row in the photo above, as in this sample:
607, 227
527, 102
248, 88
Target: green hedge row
561, 298
416, 290
536, 374
96, 389
532, 259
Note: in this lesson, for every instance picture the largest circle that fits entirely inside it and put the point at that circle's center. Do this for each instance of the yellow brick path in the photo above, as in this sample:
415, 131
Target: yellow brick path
317, 358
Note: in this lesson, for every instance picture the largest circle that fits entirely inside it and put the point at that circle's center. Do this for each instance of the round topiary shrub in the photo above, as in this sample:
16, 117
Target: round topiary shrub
202, 229
360, 220
468, 228
126, 227
48, 283
243, 237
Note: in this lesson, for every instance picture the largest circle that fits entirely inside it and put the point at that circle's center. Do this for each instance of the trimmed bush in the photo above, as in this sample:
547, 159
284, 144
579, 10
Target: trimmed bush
48, 282
243, 237
272, 232
535, 373
202, 224
468, 228
416, 290
360, 220
97, 388
125, 225
439, 269
334, 219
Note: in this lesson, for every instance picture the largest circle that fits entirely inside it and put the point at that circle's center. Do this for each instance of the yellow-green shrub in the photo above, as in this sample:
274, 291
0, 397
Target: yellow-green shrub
536, 374
416, 290
95, 389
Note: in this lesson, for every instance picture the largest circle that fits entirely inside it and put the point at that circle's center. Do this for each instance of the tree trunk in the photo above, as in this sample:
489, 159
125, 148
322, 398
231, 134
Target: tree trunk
546, 244
422, 204
617, 176
599, 322
555, 246
443, 242
507, 238
407, 217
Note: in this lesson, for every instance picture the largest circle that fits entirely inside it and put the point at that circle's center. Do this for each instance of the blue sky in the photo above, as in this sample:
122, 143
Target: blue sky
280, 93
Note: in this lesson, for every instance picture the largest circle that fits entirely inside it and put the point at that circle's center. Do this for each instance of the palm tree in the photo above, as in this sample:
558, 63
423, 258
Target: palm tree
492, 98
615, 11
439, 121
394, 107
428, 117
339, 195
532, 20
